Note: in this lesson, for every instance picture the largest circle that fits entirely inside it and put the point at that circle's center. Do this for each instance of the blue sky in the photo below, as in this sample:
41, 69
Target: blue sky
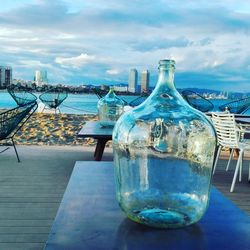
98, 41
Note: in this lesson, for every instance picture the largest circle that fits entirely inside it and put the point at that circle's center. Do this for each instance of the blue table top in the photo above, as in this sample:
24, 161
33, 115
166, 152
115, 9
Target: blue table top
89, 218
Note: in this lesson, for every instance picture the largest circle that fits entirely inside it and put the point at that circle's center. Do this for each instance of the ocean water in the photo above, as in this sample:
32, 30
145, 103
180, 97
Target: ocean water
82, 103
74, 104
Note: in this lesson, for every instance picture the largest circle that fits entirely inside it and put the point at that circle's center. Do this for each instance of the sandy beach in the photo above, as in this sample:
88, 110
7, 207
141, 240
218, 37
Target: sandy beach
54, 129
59, 130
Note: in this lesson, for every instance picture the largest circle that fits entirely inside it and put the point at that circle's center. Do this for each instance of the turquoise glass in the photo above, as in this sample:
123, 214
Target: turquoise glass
110, 108
163, 157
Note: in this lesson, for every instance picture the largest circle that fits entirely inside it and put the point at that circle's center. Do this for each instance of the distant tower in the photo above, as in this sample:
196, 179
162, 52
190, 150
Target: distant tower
144, 81
132, 80
41, 76
5, 76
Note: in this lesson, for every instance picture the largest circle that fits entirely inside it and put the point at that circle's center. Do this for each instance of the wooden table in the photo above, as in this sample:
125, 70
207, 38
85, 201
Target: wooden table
89, 218
243, 120
94, 130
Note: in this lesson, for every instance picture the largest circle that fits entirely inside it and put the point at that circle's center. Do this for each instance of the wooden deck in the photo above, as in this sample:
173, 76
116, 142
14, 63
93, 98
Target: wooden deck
31, 192
223, 180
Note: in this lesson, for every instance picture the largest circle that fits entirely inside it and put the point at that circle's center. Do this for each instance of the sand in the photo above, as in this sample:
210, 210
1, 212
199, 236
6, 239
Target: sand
54, 129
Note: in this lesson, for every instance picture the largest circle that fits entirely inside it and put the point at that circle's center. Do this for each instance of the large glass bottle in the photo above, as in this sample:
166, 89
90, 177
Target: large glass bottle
163, 156
110, 108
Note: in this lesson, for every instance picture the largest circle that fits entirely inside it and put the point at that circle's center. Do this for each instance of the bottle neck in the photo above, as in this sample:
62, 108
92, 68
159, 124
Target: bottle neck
111, 90
111, 93
166, 78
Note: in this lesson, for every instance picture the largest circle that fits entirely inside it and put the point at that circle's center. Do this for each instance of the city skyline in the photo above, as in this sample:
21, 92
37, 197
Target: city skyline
98, 42
132, 80
41, 76
5, 76
145, 76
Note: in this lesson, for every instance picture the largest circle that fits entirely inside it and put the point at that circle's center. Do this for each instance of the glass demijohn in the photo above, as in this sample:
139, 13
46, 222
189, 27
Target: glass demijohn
110, 108
163, 154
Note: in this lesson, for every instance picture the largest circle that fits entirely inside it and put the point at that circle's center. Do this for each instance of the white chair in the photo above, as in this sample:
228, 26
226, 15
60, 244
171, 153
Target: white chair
229, 135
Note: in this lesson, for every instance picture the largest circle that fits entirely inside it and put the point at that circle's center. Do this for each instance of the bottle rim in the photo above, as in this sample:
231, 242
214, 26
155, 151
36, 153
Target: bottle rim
167, 62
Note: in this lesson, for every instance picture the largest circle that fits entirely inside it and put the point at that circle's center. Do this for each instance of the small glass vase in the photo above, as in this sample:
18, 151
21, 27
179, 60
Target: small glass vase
163, 157
110, 108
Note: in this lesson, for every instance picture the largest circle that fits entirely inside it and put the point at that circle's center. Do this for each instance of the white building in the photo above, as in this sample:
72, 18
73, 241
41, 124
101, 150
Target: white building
144, 81
5, 76
41, 77
132, 80
120, 88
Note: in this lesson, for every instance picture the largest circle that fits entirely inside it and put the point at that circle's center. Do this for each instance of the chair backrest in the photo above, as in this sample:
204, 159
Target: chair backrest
53, 98
226, 129
137, 101
22, 97
12, 120
239, 106
197, 101
100, 94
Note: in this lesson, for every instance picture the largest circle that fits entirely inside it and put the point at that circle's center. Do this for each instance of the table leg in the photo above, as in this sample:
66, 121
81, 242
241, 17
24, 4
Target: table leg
99, 149
236, 152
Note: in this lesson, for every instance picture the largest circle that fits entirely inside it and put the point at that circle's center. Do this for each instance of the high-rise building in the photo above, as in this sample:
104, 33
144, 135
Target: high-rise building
144, 81
5, 76
41, 76
132, 80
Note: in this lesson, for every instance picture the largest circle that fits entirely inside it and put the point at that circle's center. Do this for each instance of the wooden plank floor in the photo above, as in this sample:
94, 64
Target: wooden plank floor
223, 180
31, 191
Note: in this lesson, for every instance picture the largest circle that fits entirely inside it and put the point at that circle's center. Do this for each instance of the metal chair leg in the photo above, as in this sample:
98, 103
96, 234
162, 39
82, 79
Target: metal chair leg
249, 174
217, 157
230, 158
18, 159
43, 109
4, 150
236, 171
241, 164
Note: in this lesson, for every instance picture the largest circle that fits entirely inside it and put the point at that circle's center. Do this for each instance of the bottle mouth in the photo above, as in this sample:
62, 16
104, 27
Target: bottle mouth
167, 63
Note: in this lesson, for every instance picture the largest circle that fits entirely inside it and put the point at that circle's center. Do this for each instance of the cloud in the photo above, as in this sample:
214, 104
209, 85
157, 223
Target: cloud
36, 13
31, 64
150, 45
106, 39
113, 71
75, 62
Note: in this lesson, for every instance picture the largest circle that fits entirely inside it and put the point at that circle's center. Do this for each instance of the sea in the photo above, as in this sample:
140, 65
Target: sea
74, 104
83, 103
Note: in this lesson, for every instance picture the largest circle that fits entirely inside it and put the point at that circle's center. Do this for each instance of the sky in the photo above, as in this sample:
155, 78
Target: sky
98, 41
